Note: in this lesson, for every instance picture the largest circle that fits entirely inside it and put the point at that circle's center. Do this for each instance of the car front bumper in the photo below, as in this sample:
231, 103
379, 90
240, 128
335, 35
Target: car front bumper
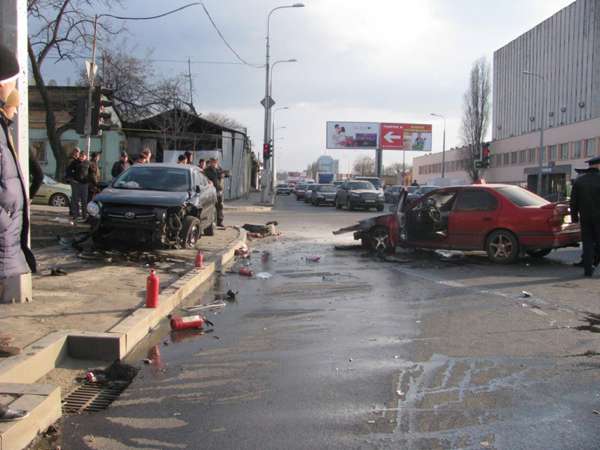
359, 202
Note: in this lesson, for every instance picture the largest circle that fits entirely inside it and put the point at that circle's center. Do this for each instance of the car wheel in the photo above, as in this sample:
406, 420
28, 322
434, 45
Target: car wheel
539, 253
190, 232
378, 240
59, 199
349, 205
210, 230
502, 247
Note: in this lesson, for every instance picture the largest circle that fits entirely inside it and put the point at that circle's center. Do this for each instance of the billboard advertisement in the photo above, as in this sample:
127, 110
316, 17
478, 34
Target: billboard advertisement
386, 136
352, 135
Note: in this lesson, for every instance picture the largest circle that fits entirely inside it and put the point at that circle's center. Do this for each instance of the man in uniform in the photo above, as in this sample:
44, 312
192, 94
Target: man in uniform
216, 175
585, 209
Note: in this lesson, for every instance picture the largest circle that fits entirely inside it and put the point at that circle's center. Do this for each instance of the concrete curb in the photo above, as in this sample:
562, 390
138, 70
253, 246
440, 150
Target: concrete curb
248, 209
42, 356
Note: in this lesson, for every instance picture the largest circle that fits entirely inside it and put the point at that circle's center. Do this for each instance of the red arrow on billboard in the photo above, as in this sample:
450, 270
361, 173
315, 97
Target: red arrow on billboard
391, 136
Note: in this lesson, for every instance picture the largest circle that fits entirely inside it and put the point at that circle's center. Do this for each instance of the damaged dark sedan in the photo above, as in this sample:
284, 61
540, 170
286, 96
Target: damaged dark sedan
158, 205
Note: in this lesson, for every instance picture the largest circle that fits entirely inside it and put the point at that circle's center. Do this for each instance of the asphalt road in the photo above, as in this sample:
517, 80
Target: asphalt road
354, 352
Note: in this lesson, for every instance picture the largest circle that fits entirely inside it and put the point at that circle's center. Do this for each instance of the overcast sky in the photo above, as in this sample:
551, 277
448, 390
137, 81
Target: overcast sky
381, 60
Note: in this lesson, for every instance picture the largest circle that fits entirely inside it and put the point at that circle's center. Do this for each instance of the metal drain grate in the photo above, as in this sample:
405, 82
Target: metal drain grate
93, 397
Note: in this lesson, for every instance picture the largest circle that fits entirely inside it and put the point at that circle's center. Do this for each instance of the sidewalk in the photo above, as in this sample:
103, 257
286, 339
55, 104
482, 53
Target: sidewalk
249, 204
99, 290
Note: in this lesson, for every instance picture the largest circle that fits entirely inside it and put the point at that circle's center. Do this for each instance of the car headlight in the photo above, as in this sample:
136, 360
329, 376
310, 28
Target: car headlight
93, 209
380, 195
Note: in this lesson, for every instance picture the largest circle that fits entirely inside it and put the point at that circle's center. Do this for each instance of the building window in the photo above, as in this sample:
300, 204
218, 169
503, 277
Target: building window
38, 148
590, 147
514, 158
564, 151
552, 153
506, 159
531, 155
522, 156
577, 150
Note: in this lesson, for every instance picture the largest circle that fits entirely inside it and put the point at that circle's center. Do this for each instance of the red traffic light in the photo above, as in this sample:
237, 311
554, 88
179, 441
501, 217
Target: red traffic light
266, 151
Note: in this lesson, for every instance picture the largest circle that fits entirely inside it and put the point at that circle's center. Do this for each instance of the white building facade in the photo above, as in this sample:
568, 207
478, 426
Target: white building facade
563, 96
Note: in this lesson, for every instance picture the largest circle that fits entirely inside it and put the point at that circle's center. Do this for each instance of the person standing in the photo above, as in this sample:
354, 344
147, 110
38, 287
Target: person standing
202, 165
93, 176
585, 209
216, 175
82, 170
16, 258
71, 178
189, 157
181, 159
121, 165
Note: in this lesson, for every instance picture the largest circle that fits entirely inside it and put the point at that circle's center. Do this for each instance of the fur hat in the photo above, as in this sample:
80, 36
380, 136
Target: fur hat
9, 66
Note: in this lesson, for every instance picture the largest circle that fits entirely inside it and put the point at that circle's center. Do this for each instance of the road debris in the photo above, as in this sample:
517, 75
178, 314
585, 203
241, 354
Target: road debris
57, 272
242, 252
261, 231
525, 294
245, 272
203, 307
184, 323
313, 259
263, 275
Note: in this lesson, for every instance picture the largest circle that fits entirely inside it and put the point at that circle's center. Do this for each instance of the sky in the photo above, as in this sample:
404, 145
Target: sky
375, 61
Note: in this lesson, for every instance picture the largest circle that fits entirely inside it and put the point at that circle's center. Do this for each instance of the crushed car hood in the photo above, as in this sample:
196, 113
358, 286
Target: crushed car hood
365, 224
140, 197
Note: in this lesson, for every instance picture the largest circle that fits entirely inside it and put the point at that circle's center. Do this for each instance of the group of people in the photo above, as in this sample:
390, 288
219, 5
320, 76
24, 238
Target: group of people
84, 177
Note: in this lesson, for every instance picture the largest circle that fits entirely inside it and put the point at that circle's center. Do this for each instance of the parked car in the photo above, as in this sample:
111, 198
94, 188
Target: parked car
375, 181
283, 189
358, 194
323, 194
308, 192
299, 190
503, 220
53, 193
420, 192
338, 183
167, 205
392, 193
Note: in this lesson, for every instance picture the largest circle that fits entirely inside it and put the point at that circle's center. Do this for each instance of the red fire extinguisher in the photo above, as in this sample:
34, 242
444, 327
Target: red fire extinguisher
152, 285
184, 323
199, 262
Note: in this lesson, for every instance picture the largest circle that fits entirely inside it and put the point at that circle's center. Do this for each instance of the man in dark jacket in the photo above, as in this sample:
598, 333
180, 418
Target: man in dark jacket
121, 165
71, 178
585, 209
216, 175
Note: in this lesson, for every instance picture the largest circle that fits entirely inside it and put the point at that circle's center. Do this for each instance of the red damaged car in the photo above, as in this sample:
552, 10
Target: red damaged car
503, 220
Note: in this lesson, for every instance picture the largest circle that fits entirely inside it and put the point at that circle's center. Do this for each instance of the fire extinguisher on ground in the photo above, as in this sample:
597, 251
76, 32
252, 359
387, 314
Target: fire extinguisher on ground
185, 323
152, 287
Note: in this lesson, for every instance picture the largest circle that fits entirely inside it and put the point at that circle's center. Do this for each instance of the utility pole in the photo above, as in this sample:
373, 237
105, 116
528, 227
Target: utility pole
191, 86
91, 76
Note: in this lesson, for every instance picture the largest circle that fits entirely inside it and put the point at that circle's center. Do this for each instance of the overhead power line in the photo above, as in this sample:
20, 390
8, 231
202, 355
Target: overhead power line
213, 23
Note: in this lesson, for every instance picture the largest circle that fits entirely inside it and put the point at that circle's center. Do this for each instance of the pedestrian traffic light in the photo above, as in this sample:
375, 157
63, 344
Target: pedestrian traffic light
101, 116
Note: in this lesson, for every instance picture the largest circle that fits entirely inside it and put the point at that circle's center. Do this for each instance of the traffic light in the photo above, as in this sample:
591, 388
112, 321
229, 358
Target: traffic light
101, 116
267, 151
81, 109
484, 160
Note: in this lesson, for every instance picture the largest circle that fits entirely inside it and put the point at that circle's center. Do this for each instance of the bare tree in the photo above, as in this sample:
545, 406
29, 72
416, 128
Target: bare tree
476, 113
364, 166
225, 121
60, 29
395, 169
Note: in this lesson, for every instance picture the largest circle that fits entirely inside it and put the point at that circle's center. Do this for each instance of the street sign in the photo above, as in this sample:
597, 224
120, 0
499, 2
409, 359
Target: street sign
391, 136
270, 100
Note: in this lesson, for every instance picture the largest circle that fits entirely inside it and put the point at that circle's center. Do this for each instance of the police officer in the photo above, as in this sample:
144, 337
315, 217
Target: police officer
215, 174
585, 208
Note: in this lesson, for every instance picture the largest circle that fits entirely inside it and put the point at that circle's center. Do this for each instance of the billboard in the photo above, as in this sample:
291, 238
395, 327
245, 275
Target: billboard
386, 136
352, 134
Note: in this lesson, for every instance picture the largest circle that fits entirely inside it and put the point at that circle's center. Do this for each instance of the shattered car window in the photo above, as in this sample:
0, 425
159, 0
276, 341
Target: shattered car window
154, 179
521, 197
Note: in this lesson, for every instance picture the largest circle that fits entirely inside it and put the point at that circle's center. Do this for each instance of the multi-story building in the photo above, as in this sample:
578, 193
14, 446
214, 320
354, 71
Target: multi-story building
326, 163
560, 92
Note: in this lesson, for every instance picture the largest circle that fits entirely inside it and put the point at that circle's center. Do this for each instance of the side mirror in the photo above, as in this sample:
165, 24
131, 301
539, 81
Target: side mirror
197, 189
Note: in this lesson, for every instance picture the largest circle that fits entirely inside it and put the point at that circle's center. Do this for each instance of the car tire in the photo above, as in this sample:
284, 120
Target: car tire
210, 230
59, 199
502, 247
378, 240
539, 252
190, 232
349, 205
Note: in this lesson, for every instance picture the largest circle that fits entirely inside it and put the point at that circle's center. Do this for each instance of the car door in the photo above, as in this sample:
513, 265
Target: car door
474, 215
206, 198
427, 220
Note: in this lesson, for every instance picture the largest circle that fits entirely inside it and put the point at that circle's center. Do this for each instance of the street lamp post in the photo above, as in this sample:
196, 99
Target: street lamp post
267, 105
441, 116
274, 167
543, 112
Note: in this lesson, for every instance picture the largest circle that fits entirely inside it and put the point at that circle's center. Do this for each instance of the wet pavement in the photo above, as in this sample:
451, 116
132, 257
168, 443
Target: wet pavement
354, 352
